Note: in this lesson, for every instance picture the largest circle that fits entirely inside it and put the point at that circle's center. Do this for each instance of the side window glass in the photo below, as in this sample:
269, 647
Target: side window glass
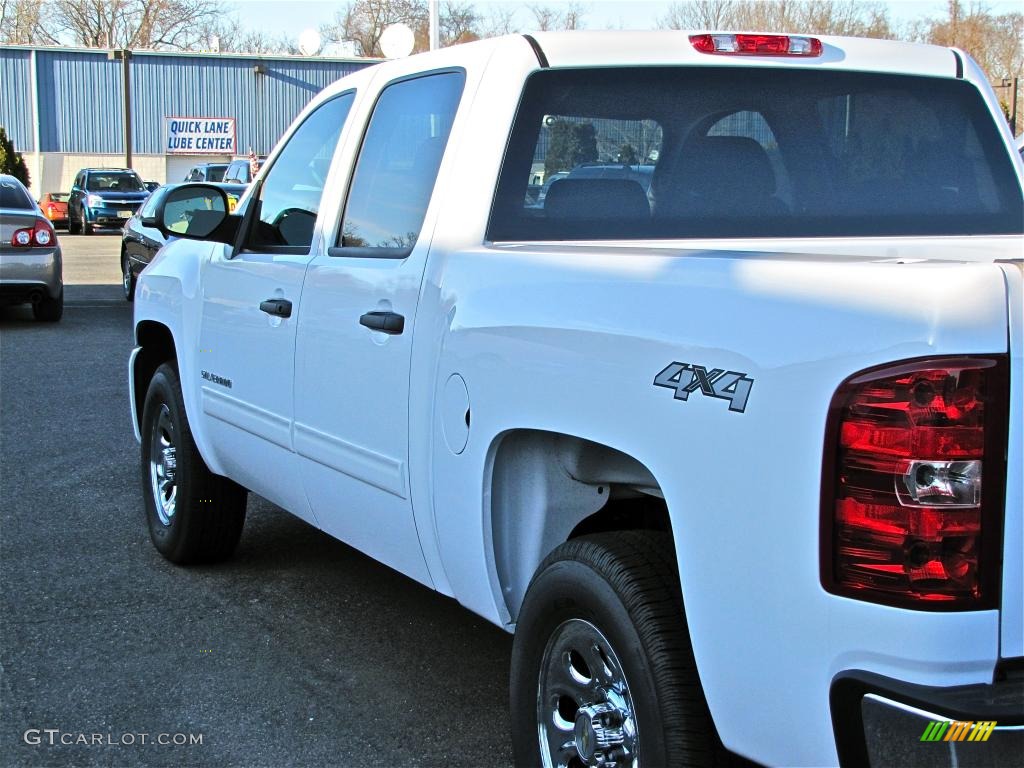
290, 195
610, 158
149, 207
398, 162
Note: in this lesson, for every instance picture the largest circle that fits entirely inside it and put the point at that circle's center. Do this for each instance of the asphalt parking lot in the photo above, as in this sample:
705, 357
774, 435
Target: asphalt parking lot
299, 651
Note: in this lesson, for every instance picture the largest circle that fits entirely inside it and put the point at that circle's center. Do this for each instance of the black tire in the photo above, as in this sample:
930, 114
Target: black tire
624, 585
73, 227
87, 228
128, 277
49, 310
209, 510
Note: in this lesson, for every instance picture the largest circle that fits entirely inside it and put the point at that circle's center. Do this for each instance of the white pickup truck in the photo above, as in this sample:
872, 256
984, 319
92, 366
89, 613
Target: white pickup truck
692, 359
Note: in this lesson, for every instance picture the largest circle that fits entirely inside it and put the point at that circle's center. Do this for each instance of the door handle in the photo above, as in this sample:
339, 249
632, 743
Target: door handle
277, 307
386, 322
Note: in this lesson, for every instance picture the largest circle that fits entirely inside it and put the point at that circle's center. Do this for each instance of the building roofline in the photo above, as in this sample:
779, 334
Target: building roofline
197, 54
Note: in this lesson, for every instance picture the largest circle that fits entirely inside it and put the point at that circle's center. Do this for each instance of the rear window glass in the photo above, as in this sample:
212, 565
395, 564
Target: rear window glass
13, 196
742, 152
114, 182
59, 197
215, 172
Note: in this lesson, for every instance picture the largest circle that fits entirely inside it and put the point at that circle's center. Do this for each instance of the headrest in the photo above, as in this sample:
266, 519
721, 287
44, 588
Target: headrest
712, 163
596, 199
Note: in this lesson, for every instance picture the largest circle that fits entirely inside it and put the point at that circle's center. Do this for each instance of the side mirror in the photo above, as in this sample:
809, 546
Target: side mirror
196, 212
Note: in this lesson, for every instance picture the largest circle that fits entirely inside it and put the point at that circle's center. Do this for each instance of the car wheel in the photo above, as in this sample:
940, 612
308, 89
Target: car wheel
127, 277
73, 227
87, 228
193, 515
602, 669
49, 310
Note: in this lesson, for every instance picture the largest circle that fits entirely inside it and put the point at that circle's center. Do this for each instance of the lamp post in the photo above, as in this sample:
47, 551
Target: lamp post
434, 26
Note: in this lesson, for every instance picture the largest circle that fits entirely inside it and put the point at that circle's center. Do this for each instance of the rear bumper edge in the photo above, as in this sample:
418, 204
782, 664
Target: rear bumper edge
881, 721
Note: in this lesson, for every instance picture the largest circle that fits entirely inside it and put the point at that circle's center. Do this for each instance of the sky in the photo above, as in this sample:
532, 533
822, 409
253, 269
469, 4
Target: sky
291, 17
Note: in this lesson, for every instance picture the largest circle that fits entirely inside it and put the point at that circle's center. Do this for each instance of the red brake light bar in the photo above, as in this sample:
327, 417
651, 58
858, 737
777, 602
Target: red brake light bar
757, 45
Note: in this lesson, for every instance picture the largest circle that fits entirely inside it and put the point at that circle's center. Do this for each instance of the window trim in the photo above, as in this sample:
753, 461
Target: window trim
257, 204
376, 252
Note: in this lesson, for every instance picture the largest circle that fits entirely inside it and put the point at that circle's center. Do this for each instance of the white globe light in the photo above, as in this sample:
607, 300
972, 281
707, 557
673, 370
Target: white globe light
397, 40
309, 42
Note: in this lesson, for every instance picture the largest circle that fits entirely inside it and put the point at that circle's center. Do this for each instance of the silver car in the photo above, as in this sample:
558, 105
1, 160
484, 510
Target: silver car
30, 257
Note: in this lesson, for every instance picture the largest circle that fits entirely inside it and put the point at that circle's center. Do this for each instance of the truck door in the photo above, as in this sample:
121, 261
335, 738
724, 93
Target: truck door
355, 327
250, 310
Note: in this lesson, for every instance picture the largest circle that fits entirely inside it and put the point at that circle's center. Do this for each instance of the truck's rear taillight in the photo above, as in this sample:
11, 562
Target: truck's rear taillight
913, 482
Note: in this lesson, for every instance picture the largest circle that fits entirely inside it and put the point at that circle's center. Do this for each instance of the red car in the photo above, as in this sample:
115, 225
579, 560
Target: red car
55, 207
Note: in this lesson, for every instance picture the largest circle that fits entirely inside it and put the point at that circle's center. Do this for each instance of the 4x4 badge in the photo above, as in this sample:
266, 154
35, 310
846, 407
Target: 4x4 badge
718, 382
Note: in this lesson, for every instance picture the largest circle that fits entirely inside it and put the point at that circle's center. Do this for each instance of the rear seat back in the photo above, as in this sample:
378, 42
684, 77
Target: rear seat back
596, 199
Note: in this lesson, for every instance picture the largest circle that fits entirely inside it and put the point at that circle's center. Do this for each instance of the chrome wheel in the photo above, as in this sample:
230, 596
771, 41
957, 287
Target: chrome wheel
163, 465
585, 714
126, 276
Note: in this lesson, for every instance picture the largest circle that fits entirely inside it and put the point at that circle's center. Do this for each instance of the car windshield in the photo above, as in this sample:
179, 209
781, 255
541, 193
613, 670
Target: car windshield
13, 196
669, 153
122, 181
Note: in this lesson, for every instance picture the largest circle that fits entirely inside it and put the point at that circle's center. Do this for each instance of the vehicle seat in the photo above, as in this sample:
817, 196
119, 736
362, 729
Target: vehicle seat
596, 199
719, 176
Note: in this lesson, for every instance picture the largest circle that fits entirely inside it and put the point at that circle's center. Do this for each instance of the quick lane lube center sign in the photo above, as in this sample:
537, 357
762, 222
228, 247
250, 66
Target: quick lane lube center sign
200, 135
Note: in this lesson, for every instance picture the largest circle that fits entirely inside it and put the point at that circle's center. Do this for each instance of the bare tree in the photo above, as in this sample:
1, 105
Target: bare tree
167, 24
995, 42
363, 21
230, 35
500, 20
21, 23
833, 17
549, 18
573, 17
460, 23
700, 14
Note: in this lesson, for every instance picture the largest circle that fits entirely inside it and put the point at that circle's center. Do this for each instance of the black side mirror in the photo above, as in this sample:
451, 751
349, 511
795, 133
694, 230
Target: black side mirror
195, 212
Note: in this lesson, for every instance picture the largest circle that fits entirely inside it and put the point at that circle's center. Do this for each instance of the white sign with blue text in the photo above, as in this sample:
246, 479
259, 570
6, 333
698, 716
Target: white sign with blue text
200, 135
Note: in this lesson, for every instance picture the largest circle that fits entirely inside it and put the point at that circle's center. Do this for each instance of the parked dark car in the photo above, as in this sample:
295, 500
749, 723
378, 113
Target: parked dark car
31, 266
54, 206
207, 172
241, 171
104, 197
140, 243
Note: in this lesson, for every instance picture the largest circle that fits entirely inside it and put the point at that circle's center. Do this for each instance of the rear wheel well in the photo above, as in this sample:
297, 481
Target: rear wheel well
157, 347
548, 488
626, 513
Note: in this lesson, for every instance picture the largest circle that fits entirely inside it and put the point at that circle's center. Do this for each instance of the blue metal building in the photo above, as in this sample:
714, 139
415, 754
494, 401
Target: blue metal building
71, 100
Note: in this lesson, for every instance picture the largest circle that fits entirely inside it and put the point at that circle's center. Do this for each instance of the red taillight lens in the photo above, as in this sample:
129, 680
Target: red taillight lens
39, 235
912, 486
757, 45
